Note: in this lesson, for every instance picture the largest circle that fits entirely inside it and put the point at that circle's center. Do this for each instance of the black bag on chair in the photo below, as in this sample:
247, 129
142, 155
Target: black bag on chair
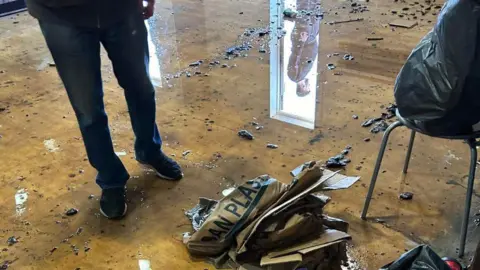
431, 82
419, 258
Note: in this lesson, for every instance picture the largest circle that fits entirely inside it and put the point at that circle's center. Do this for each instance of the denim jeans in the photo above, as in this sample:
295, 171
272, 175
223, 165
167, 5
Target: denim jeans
76, 52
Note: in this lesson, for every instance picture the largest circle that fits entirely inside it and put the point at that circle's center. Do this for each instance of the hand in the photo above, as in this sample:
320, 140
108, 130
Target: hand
147, 11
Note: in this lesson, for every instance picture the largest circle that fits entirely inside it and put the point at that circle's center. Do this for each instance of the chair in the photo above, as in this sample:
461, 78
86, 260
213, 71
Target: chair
471, 140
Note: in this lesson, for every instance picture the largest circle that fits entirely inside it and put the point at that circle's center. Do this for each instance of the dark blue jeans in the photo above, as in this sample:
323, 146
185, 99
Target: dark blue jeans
76, 52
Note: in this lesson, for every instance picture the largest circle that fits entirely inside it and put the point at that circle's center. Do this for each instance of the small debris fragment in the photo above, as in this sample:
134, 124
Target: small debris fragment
370, 122
331, 66
374, 38
258, 127
379, 126
71, 212
337, 161
245, 134
12, 241
186, 153
79, 231
224, 66
53, 249
403, 23
91, 196
406, 196
366, 139
272, 146
196, 63
315, 139
290, 13
346, 21
71, 175
262, 50
355, 116
348, 57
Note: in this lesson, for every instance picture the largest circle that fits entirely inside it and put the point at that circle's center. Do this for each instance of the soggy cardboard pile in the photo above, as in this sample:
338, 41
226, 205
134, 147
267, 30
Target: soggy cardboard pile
265, 223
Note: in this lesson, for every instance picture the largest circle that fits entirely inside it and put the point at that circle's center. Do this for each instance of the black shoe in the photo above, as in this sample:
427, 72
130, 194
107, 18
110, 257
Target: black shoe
112, 203
165, 167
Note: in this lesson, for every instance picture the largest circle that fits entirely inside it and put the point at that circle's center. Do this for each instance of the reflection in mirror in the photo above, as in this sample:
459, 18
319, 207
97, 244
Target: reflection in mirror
293, 60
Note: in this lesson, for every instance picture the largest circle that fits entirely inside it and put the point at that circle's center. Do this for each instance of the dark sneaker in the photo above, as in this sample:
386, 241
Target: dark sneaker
165, 167
112, 203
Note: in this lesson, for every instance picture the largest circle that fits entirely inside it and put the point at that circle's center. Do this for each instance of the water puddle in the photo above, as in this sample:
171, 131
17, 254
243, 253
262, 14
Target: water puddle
20, 199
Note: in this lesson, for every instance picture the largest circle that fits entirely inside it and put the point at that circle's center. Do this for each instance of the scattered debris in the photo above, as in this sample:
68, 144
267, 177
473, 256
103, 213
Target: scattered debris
290, 13
348, 57
196, 63
52, 64
355, 116
21, 198
366, 139
53, 249
374, 38
71, 212
331, 66
346, 21
186, 153
379, 126
245, 134
258, 127
272, 146
406, 196
51, 145
315, 139
79, 231
403, 23
379, 123
339, 160
91, 196
12, 240
235, 50
370, 121
227, 191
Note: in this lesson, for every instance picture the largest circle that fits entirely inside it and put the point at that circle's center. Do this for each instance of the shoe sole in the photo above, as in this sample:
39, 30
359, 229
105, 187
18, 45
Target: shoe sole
105, 215
159, 174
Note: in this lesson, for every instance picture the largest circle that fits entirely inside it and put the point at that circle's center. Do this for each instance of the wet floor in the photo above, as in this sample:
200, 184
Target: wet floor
294, 84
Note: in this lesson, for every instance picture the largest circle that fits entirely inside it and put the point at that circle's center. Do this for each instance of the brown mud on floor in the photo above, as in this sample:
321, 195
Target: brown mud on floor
42, 151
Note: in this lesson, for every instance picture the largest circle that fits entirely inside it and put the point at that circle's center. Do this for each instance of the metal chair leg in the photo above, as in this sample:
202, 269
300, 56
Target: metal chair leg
468, 199
386, 135
409, 151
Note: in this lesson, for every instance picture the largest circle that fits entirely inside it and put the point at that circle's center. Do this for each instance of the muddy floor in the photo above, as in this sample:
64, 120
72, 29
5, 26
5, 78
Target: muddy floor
44, 170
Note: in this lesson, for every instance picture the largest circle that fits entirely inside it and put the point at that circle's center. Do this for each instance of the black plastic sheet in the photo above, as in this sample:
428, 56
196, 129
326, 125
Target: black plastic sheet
419, 258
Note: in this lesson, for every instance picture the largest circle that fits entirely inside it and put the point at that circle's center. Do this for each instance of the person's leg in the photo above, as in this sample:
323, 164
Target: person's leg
76, 52
126, 44
127, 47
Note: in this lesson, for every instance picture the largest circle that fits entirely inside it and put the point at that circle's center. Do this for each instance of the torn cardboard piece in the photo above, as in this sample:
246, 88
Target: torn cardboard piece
284, 218
300, 187
330, 238
232, 213
339, 181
